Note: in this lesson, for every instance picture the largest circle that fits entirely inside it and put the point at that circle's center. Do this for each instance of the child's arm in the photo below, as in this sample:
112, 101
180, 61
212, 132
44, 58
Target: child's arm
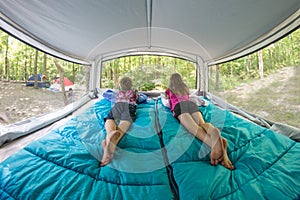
136, 95
167, 95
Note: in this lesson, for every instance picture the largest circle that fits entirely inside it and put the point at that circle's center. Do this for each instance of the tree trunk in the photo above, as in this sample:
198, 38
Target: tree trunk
45, 65
111, 74
87, 78
30, 65
129, 63
6, 58
116, 74
61, 73
217, 77
25, 70
246, 66
250, 59
73, 72
260, 63
35, 69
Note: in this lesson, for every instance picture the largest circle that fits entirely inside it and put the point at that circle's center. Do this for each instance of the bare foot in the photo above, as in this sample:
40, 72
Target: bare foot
106, 157
226, 162
109, 146
219, 155
219, 150
216, 154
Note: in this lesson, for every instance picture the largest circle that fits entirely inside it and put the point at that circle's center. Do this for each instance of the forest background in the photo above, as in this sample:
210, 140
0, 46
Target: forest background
18, 62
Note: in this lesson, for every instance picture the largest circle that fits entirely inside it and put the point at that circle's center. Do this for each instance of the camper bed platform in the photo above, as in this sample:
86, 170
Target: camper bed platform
156, 159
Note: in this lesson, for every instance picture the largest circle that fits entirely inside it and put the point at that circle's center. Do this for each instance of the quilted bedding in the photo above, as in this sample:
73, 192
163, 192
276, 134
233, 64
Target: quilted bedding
156, 159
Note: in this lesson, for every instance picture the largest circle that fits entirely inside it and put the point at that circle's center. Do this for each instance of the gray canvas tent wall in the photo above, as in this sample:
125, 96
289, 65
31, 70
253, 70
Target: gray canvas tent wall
91, 31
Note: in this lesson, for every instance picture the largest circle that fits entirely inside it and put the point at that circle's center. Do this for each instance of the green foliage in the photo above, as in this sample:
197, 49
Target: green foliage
20, 61
285, 52
147, 72
148, 86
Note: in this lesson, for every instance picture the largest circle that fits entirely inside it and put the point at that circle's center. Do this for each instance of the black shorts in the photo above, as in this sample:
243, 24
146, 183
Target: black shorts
122, 111
185, 107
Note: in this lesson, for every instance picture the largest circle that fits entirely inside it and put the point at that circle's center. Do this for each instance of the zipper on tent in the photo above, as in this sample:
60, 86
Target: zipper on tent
169, 168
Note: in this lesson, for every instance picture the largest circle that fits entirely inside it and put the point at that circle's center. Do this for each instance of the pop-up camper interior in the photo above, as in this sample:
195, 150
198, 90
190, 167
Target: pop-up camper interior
56, 155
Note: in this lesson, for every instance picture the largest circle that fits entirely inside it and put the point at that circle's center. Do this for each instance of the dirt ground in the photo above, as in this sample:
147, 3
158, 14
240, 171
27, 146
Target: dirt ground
275, 97
18, 101
272, 95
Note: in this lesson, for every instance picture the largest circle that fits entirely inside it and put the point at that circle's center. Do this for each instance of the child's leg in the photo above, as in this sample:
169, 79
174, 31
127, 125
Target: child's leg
109, 146
198, 118
218, 144
188, 122
110, 125
111, 135
124, 125
112, 139
211, 138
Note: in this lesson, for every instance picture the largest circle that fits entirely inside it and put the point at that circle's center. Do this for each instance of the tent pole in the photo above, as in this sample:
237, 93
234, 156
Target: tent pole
98, 72
202, 76
149, 22
93, 73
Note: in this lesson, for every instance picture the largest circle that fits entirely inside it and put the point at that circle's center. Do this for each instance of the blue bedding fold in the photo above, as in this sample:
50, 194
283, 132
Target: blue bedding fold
64, 164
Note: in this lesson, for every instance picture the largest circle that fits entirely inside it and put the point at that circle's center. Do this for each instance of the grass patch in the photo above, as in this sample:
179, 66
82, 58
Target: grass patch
278, 102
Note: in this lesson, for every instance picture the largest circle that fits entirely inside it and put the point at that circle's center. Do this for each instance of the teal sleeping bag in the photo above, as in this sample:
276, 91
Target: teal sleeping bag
61, 165
156, 159
267, 164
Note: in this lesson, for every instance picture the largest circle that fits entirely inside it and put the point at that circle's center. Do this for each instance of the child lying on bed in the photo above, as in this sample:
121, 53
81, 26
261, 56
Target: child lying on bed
125, 111
188, 114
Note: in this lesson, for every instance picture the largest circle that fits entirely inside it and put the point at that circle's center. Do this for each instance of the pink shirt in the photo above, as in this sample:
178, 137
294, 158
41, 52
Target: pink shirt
174, 99
128, 96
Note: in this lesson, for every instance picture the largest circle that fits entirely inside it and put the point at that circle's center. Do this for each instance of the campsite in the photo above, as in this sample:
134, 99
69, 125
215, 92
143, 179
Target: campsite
206, 94
42, 81
19, 102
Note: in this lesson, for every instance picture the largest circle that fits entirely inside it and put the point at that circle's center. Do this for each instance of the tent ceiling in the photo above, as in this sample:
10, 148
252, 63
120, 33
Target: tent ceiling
84, 30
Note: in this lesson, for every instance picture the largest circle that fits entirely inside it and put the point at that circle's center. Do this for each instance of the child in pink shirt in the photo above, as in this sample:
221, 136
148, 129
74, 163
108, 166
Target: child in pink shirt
188, 114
